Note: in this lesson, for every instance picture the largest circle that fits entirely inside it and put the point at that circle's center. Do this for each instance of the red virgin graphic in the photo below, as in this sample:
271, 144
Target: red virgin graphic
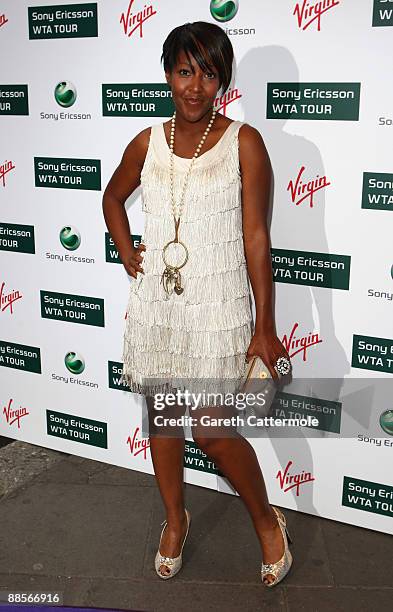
301, 189
133, 21
7, 299
221, 102
14, 415
138, 445
299, 344
3, 20
308, 12
293, 480
4, 169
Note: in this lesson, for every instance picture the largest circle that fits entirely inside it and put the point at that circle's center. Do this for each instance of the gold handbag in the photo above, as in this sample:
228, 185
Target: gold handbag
257, 380
256, 369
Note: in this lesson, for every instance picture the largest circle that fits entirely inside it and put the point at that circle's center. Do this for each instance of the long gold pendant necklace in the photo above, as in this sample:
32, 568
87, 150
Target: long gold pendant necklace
171, 277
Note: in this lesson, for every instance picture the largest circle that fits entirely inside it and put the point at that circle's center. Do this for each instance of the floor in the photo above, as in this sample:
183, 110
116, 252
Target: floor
90, 531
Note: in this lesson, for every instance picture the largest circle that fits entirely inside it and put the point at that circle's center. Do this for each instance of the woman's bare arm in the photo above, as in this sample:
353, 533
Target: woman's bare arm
256, 184
125, 179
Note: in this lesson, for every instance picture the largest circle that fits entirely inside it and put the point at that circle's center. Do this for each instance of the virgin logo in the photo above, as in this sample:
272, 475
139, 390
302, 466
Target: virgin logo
7, 299
14, 416
307, 12
290, 481
133, 22
4, 169
3, 20
221, 102
301, 190
137, 444
296, 345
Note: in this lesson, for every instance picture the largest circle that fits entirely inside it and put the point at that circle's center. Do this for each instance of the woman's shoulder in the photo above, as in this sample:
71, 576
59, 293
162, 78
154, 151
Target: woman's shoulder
249, 134
250, 138
140, 141
252, 146
143, 137
136, 150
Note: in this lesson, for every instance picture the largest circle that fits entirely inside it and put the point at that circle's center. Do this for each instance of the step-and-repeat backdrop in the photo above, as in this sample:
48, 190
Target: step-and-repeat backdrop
78, 82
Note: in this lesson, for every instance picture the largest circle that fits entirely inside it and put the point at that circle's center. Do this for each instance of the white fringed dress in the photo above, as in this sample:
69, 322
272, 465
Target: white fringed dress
198, 339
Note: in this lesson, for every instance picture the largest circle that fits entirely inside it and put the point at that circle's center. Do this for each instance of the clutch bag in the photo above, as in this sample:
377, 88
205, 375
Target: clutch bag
256, 369
258, 381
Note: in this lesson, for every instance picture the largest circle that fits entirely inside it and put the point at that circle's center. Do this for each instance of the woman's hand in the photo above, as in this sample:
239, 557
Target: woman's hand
132, 260
267, 346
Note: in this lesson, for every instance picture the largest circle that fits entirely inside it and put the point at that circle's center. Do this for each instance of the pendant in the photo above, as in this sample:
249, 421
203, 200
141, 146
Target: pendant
171, 277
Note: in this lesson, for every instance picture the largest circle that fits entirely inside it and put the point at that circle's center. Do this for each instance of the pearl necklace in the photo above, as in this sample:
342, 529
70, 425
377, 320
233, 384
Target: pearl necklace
171, 278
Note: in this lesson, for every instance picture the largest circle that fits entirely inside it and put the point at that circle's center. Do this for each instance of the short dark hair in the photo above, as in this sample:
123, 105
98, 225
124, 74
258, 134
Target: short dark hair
193, 38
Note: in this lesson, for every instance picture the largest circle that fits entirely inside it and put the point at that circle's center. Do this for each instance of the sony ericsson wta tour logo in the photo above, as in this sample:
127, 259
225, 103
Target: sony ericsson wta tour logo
7, 300
307, 12
295, 345
65, 94
4, 169
300, 190
288, 480
132, 21
3, 20
137, 444
70, 238
14, 415
224, 10
74, 362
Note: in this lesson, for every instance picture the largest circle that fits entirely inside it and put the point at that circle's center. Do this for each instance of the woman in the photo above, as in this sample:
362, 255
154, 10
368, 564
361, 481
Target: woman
189, 313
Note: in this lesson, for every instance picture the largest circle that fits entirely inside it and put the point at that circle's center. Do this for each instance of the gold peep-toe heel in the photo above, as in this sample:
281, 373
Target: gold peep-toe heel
173, 563
280, 568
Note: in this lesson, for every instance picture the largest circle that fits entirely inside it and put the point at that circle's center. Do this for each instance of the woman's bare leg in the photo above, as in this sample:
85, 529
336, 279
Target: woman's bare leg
168, 460
236, 459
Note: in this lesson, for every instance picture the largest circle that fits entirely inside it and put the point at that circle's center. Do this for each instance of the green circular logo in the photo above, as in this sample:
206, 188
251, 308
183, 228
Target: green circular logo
224, 10
74, 363
65, 93
386, 422
70, 238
